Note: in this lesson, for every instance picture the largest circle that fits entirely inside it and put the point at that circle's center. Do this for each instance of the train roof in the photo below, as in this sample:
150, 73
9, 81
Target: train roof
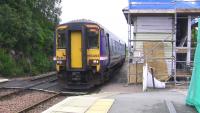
81, 21
93, 22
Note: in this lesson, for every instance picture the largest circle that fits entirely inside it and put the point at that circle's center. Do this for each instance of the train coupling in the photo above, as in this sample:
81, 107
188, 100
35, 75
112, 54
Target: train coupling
76, 76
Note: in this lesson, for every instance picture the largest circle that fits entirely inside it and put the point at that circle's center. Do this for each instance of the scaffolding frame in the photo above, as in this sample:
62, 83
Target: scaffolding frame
132, 42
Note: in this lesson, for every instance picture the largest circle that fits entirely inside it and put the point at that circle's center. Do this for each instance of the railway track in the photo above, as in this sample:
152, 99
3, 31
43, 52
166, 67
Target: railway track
30, 107
21, 89
39, 81
31, 98
35, 98
51, 74
23, 101
32, 90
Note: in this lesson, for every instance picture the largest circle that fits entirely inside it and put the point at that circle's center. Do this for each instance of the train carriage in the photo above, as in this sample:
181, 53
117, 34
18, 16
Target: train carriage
85, 53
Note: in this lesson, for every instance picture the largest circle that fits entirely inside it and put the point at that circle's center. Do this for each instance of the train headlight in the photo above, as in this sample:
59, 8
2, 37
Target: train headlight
59, 62
94, 62
54, 58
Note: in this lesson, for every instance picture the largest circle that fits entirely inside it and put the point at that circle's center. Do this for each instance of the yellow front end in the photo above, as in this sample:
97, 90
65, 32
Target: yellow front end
93, 53
78, 55
61, 59
93, 58
76, 50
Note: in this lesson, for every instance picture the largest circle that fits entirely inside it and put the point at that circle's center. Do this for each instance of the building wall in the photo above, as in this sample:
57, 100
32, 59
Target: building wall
153, 24
154, 28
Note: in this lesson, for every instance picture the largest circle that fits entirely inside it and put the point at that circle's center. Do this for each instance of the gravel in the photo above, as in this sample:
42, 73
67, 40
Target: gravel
6, 91
21, 100
118, 82
46, 105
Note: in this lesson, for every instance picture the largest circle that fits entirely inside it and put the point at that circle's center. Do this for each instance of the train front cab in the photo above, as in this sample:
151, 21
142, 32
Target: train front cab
78, 55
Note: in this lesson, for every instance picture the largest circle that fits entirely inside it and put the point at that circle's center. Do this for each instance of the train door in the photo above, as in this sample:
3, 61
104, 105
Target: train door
76, 49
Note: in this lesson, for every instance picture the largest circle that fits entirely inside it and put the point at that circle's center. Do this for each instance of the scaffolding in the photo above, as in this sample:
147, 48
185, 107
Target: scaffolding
178, 45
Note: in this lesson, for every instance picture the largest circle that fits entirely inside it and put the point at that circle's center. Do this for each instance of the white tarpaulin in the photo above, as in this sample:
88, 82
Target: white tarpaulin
148, 80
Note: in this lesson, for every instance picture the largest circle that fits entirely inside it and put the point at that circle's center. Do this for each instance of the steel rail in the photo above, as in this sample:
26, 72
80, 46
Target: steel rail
24, 88
42, 76
28, 108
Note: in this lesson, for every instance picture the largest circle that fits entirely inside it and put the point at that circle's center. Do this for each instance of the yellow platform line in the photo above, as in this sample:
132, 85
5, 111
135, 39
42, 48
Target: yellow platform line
81, 104
101, 106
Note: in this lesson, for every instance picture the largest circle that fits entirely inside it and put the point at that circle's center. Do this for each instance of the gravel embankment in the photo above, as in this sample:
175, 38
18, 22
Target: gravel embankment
46, 105
19, 101
6, 91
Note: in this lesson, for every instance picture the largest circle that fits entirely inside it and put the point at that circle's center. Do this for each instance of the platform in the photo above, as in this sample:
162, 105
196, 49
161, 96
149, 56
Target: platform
96, 103
148, 102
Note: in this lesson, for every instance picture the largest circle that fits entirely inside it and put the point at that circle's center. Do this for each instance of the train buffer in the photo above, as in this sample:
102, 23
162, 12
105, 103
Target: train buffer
168, 101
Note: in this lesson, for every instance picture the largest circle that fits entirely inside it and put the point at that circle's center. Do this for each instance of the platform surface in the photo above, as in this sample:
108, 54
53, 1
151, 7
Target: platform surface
95, 103
147, 102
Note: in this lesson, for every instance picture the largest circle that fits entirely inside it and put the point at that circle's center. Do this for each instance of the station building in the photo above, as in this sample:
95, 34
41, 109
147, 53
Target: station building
162, 34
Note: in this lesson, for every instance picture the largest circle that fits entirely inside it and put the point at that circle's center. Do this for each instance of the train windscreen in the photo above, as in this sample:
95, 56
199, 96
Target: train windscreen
61, 39
93, 40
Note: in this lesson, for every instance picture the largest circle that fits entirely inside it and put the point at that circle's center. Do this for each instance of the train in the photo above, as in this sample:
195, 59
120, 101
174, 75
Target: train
86, 53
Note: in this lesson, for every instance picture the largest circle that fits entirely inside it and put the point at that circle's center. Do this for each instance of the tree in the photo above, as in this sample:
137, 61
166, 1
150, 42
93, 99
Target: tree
27, 26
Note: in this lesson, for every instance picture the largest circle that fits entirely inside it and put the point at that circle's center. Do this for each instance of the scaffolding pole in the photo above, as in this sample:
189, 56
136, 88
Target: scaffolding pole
189, 41
129, 47
174, 49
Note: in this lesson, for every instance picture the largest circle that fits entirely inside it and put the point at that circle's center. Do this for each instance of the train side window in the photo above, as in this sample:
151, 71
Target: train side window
115, 47
112, 48
93, 38
106, 37
61, 40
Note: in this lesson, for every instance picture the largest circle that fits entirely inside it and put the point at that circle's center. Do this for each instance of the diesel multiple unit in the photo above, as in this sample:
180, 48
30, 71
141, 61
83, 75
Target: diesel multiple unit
85, 53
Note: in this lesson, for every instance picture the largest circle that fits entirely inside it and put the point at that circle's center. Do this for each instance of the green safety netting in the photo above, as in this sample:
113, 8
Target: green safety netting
193, 96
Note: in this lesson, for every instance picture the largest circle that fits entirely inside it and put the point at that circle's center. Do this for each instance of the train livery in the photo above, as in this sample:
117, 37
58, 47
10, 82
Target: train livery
86, 53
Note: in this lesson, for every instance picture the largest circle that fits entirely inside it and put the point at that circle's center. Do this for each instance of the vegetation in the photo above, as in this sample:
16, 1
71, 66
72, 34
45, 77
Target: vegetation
194, 42
26, 36
194, 37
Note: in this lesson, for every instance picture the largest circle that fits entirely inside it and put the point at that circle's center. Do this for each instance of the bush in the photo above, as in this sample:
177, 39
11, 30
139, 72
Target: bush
41, 63
27, 28
8, 66
24, 66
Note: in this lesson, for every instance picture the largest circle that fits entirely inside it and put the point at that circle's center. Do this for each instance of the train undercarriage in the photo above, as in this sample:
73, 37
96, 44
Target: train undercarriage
85, 79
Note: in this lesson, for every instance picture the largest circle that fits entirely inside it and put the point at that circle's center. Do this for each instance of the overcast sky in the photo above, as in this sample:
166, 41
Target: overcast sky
106, 12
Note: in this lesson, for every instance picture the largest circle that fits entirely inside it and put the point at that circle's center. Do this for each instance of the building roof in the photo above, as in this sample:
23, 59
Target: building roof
150, 4
163, 6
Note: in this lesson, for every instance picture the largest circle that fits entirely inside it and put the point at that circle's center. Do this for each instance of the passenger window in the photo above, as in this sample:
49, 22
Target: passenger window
61, 40
93, 38
112, 46
106, 39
